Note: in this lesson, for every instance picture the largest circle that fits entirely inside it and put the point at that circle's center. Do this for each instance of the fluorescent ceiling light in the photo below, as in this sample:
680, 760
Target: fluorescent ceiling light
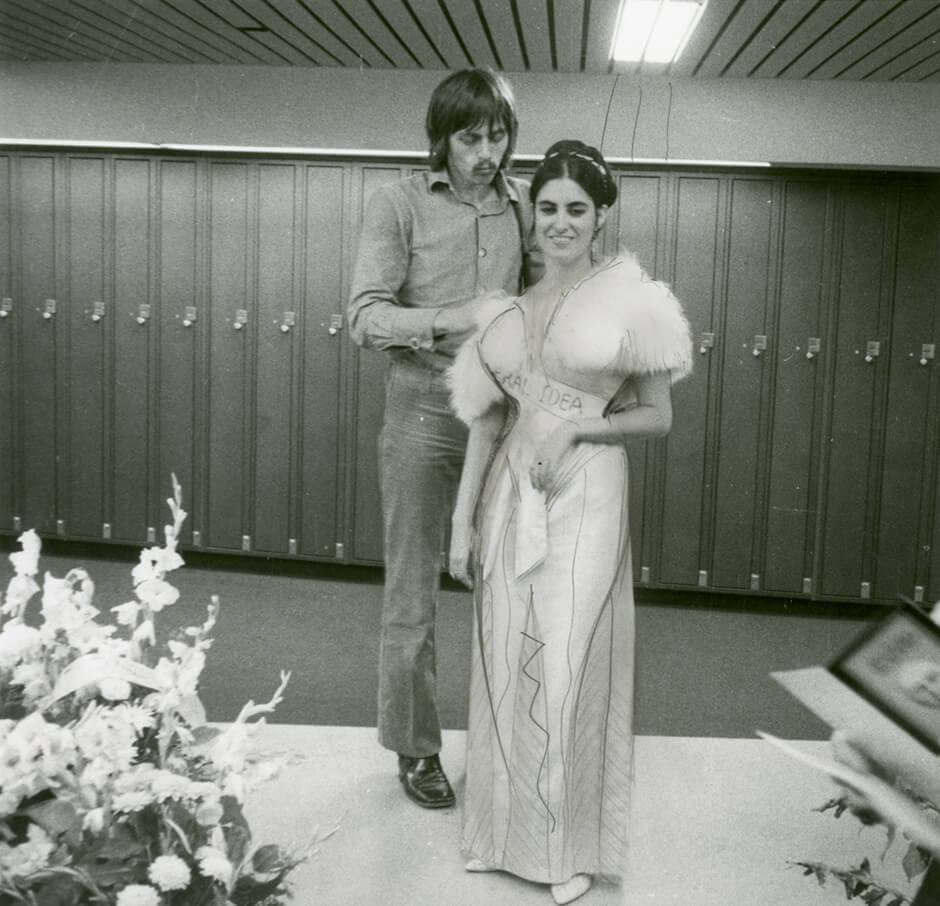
655, 31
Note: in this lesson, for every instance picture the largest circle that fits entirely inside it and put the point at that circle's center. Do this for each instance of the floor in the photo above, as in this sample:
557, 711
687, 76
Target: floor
714, 823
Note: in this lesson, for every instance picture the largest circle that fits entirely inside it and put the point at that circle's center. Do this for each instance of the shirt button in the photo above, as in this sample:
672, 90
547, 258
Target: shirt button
482, 253
414, 343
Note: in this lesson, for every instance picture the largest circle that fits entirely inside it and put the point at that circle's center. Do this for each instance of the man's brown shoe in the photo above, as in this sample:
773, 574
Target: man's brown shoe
425, 782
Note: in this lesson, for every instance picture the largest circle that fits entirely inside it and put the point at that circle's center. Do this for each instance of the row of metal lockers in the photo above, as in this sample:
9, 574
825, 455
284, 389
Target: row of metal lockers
184, 314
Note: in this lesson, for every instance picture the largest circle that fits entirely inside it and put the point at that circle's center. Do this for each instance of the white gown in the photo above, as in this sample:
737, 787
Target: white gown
549, 742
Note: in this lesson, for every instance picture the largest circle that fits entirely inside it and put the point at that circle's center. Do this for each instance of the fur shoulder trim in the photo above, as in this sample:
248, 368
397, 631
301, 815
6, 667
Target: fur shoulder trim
472, 389
656, 335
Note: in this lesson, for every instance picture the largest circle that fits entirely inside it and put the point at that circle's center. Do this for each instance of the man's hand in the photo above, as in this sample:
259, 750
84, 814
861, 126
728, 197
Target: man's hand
458, 560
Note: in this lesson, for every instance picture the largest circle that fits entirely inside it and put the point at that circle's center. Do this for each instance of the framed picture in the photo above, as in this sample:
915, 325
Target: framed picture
895, 665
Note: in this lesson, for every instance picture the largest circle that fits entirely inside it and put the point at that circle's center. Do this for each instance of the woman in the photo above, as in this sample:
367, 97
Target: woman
551, 387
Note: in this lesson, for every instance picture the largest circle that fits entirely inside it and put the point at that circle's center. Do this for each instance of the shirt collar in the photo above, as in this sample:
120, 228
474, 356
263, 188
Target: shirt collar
504, 188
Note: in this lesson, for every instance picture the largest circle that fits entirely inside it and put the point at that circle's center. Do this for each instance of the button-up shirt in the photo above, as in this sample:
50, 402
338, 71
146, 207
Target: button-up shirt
422, 249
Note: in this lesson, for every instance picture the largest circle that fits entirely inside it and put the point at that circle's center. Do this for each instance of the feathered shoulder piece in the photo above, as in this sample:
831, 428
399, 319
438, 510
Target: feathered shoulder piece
652, 330
472, 389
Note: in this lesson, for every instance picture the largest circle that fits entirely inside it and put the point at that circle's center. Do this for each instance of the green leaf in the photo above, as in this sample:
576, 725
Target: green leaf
192, 711
113, 872
120, 844
915, 862
92, 668
54, 816
59, 891
268, 859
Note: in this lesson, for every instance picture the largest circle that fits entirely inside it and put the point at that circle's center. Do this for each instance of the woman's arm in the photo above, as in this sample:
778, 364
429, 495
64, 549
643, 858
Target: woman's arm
484, 432
649, 416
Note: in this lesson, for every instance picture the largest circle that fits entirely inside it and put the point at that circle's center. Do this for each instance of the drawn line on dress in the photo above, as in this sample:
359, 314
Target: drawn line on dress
548, 736
487, 681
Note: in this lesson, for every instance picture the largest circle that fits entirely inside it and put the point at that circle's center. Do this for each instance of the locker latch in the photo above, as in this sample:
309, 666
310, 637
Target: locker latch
6, 307
927, 352
872, 350
336, 324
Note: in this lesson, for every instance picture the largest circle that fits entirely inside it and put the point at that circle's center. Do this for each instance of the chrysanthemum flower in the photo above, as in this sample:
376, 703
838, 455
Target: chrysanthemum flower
138, 895
169, 873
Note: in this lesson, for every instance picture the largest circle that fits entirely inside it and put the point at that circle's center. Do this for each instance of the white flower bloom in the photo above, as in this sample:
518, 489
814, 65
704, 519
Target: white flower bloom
18, 642
26, 561
114, 689
19, 590
169, 873
209, 813
34, 680
213, 863
132, 802
29, 857
138, 895
127, 613
136, 715
157, 593
167, 785
147, 566
93, 820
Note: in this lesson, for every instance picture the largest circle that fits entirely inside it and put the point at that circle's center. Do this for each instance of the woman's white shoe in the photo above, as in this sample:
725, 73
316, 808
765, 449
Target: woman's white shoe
571, 889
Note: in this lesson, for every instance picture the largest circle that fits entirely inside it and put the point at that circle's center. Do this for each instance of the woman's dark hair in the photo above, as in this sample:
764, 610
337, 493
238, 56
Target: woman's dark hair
580, 162
468, 98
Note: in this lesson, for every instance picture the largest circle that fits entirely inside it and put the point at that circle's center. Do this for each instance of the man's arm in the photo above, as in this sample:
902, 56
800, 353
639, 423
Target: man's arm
376, 318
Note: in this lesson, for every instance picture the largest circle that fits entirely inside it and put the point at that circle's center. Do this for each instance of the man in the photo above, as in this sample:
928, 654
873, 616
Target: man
431, 246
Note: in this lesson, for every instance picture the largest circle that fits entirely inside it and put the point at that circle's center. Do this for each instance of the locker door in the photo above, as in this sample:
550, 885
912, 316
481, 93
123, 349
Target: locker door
638, 231
232, 323
799, 372
368, 390
853, 427
277, 343
132, 439
8, 385
910, 454
86, 455
36, 254
326, 233
685, 503
181, 328
742, 391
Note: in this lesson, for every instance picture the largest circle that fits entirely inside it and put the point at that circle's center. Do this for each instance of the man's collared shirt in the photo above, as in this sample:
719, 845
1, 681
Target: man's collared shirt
421, 249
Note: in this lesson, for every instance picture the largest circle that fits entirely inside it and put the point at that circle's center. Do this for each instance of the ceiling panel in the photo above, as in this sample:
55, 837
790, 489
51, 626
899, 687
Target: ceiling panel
856, 40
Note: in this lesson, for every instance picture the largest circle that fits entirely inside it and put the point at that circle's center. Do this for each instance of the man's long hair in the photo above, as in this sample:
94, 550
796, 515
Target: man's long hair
469, 97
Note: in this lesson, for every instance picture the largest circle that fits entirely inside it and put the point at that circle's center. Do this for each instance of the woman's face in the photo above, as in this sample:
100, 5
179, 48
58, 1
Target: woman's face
566, 221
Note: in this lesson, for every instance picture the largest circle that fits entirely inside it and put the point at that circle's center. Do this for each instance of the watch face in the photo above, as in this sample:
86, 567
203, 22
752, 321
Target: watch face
896, 666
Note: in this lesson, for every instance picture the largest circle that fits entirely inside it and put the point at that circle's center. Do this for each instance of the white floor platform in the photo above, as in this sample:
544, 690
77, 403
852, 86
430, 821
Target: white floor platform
714, 823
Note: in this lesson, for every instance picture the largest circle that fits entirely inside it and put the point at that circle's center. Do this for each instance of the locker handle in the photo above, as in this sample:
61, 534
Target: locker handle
290, 320
927, 352
241, 318
97, 311
760, 344
872, 350
336, 325
143, 313
50, 309
6, 306
813, 347
190, 317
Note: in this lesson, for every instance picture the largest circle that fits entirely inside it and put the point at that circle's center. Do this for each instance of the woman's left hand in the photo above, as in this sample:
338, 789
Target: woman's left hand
549, 455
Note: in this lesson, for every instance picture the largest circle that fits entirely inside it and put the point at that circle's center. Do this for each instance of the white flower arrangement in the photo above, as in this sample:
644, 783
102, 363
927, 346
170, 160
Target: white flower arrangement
113, 788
